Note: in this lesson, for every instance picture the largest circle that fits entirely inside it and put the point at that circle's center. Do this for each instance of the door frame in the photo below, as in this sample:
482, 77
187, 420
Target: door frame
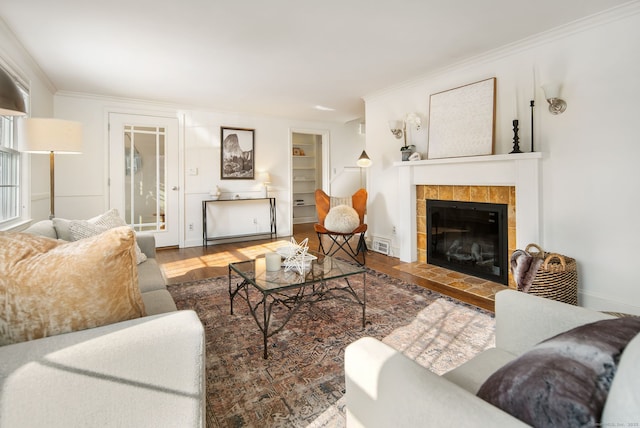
163, 114
326, 164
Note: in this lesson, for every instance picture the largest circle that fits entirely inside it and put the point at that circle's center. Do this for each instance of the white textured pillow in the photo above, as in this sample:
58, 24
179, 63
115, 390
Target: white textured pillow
341, 219
80, 229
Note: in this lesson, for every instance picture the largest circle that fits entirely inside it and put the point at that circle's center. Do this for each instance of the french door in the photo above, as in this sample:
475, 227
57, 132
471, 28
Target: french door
143, 174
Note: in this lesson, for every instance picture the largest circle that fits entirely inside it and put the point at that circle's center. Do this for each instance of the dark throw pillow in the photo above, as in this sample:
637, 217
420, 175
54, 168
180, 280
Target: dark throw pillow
563, 381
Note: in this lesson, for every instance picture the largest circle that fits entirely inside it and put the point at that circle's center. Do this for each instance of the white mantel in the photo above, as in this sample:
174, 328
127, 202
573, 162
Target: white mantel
520, 170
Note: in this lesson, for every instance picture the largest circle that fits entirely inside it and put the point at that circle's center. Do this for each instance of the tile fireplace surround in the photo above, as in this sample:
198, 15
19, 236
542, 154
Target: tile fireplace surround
492, 194
513, 179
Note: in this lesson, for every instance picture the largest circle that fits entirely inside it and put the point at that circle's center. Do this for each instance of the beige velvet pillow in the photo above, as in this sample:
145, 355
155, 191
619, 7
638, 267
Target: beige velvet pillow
49, 287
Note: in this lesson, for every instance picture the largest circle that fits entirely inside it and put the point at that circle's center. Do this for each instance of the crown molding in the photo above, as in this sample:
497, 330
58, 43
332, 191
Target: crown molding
578, 26
27, 59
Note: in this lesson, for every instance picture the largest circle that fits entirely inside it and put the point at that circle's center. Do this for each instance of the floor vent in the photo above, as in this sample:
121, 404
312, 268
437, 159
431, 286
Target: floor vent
380, 245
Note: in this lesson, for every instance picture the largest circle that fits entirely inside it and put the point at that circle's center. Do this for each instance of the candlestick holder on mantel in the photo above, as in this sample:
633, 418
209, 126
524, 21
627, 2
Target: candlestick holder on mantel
516, 139
531, 104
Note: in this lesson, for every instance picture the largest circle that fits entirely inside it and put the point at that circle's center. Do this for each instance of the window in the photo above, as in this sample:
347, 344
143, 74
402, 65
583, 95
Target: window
10, 169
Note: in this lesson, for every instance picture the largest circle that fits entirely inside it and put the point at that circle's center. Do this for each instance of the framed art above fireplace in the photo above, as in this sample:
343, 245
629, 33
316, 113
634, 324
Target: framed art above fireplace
462, 121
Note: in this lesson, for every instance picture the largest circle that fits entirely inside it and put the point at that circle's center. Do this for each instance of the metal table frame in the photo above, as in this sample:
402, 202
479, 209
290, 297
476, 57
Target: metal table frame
292, 290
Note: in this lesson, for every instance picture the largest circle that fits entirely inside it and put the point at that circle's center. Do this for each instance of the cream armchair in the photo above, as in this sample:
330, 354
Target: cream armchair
385, 388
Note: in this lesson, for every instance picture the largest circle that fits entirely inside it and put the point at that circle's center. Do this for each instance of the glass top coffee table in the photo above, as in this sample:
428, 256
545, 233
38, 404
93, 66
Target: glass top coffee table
323, 279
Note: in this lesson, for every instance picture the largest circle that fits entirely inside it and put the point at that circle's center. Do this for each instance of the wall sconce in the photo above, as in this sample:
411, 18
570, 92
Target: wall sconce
552, 94
397, 128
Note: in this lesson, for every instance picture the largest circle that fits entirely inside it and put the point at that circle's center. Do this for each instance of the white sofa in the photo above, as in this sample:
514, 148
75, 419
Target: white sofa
384, 388
144, 372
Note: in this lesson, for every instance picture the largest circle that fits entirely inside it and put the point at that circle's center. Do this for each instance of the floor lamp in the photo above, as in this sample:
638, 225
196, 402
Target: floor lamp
363, 162
44, 135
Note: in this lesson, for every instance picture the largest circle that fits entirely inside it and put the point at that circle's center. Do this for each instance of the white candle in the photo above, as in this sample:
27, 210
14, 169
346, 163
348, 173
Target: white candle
533, 94
273, 261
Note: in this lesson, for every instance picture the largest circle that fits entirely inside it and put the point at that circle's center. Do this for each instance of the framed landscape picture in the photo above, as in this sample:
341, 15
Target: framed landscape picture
237, 153
462, 121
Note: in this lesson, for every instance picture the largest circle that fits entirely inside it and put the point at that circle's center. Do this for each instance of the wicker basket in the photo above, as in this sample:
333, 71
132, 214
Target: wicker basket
557, 277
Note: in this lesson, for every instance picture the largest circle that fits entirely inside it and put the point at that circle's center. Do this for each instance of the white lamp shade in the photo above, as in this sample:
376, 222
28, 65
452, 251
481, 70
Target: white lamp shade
45, 135
396, 124
264, 177
551, 90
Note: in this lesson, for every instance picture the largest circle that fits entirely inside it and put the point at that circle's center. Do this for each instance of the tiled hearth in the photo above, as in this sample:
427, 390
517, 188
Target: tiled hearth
456, 280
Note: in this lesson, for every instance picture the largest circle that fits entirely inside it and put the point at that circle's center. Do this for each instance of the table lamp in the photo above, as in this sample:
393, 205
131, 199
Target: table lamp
266, 180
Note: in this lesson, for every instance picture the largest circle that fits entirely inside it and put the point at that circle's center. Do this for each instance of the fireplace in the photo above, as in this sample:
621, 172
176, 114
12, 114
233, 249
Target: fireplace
471, 179
468, 237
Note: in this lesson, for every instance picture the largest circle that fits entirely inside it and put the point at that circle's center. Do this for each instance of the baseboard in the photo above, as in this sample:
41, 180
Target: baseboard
245, 238
193, 243
601, 303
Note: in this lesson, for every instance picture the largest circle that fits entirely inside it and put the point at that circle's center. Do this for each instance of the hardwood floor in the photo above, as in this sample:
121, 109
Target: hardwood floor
189, 264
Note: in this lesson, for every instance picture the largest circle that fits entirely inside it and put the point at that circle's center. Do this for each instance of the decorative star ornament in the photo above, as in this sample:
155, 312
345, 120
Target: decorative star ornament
296, 259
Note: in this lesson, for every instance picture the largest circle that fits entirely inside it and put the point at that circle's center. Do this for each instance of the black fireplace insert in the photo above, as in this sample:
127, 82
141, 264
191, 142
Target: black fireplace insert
468, 237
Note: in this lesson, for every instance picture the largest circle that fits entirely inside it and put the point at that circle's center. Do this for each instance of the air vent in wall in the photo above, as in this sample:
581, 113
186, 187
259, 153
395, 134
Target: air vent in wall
380, 245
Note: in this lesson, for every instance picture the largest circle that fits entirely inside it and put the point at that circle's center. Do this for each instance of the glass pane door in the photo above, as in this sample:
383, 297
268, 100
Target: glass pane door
145, 177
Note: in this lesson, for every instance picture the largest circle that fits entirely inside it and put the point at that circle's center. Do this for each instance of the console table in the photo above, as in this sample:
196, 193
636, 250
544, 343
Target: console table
272, 214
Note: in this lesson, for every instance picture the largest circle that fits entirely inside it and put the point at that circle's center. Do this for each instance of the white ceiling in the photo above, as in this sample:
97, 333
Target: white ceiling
280, 57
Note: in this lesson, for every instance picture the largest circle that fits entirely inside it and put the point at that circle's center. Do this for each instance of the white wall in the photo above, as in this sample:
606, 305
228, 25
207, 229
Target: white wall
590, 182
14, 58
81, 179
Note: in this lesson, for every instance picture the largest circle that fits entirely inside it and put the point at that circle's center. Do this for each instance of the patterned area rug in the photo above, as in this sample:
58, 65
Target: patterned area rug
302, 382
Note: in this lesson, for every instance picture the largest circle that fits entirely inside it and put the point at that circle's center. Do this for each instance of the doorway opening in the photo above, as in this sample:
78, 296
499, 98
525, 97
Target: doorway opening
307, 173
